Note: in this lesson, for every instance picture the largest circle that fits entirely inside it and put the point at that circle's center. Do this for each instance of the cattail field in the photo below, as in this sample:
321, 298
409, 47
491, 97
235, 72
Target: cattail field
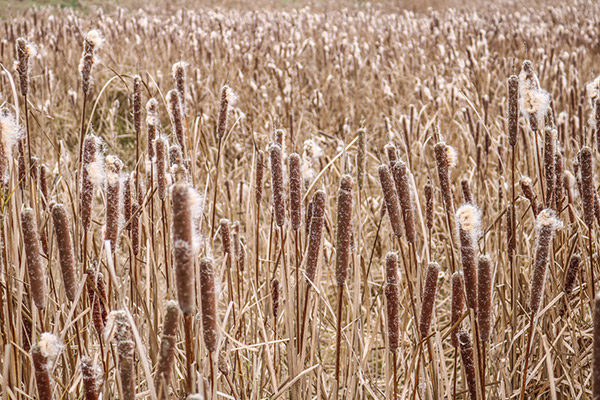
300, 201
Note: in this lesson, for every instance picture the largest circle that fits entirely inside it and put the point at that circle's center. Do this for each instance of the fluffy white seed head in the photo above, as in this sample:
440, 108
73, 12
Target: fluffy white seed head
548, 218
95, 38
10, 131
468, 217
50, 346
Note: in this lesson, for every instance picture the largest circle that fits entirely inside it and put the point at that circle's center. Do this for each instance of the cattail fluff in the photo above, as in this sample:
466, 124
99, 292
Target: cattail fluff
92, 41
570, 279
315, 237
458, 303
10, 134
277, 184
534, 101
468, 359
183, 244
429, 204
445, 158
587, 184
92, 378
484, 297
392, 295
513, 109
92, 174
152, 122
344, 229
401, 177
549, 162
43, 353
295, 190
209, 304
119, 328
228, 98
35, 270
546, 224
526, 187
113, 200
258, 176
428, 299
168, 345
275, 292
179, 75
361, 157
96, 289
176, 113
596, 350
161, 146
390, 196
468, 217
25, 51
65, 249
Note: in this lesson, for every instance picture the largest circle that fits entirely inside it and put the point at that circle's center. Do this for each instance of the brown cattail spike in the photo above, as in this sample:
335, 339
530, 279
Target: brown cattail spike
258, 176
392, 294
428, 299
484, 298
316, 233
96, 289
549, 163
295, 190
113, 194
90, 175
168, 345
25, 51
513, 109
65, 249
227, 100
469, 229
161, 146
277, 184
468, 359
42, 375
445, 158
35, 271
92, 41
344, 229
429, 204
458, 303
546, 224
401, 176
390, 196
176, 112
209, 304
392, 153
153, 122
120, 327
587, 184
137, 104
466, 189
182, 242
570, 279
361, 157
92, 378
526, 186
275, 292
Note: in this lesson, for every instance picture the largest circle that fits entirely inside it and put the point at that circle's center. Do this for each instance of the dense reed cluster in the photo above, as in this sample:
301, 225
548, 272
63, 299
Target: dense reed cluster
365, 202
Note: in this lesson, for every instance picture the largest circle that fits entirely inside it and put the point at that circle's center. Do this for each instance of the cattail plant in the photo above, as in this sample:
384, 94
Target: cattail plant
137, 104
179, 75
35, 270
587, 184
569, 282
113, 200
484, 297
391, 152
468, 359
92, 378
559, 191
153, 122
428, 189
343, 252
390, 196
513, 110
428, 298
445, 158
277, 184
43, 353
466, 190
258, 189
238, 246
458, 303
228, 99
92, 174
96, 289
534, 101
25, 51
468, 217
392, 295
168, 345
361, 157
295, 182
549, 162
127, 198
183, 244
176, 114
91, 42
161, 147
526, 187
65, 249
10, 134
401, 177
119, 329
209, 310
316, 233
275, 297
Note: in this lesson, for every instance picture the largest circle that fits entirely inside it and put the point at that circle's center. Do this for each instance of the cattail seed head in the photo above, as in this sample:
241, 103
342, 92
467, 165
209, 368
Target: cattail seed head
92, 41
458, 303
484, 297
295, 190
119, 328
25, 51
429, 204
466, 189
570, 279
258, 176
275, 289
209, 304
226, 240
277, 183
315, 237
401, 177
392, 295
444, 159
391, 198
428, 299
510, 233
113, 200
344, 229
228, 98
137, 103
168, 345
526, 187
176, 113
179, 75
549, 162
513, 109
10, 135
35, 270
559, 193
96, 289
65, 249
392, 153
546, 223
92, 174
152, 122
533, 100
468, 219
587, 184
466, 353
161, 146
182, 242
361, 157
127, 207
42, 374
92, 378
